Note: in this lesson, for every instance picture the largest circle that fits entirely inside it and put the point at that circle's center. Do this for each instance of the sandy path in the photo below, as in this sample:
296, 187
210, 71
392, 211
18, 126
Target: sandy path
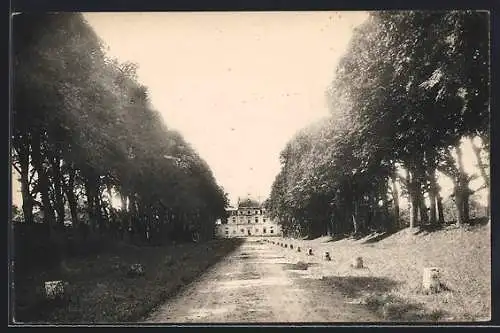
255, 284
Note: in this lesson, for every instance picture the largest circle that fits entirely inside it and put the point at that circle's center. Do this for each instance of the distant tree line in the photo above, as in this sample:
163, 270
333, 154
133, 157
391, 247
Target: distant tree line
411, 87
83, 130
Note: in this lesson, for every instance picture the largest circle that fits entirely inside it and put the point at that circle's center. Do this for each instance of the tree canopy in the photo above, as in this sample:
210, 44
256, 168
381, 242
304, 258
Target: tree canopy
84, 128
409, 89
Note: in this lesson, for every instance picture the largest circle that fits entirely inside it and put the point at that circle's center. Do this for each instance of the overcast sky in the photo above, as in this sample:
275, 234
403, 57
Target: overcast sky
236, 85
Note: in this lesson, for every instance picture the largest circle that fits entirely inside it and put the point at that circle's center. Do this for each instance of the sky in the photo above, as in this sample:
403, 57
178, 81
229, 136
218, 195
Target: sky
237, 85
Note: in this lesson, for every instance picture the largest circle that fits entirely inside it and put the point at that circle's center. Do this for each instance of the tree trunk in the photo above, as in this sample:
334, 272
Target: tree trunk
466, 205
23, 170
109, 210
486, 178
132, 207
58, 190
43, 181
462, 190
337, 222
27, 199
123, 199
414, 211
330, 225
433, 196
481, 166
99, 208
459, 203
418, 179
413, 198
432, 208
355, 223
440, 209
21, 145
395, 200
70, 196
424, 217
91, 193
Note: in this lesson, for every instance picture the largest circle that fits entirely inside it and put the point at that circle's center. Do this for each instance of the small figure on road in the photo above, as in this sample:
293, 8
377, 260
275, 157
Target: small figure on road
327, 256
310, 252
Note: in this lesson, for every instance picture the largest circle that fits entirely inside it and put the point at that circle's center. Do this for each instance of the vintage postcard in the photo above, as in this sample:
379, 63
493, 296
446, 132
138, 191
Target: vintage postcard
250, 167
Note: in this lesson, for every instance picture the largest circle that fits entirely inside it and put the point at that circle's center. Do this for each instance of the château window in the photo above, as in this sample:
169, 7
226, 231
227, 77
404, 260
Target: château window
264, 230
242, 230
272, 231
256, 220
249, 221
264, 219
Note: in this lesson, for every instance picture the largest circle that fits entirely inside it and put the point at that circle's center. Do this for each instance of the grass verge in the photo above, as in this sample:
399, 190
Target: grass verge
392, 308
100, 291
394, 264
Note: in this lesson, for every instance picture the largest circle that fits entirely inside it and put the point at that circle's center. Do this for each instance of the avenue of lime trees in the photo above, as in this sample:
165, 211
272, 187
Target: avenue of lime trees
83, 128
411, 87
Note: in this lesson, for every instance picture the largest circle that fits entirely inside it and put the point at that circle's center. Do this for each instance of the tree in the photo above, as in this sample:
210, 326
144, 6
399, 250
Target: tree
88, 130
398, 101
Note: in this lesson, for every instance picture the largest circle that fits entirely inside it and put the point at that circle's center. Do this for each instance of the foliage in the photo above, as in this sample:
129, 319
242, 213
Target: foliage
84, 127
410, 87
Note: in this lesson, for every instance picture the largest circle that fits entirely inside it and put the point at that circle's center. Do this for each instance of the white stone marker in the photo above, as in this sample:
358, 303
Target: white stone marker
136, 270
54, 289
431, 280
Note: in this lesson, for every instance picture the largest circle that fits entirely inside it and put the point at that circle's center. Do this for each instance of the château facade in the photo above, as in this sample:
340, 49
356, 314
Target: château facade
250, 218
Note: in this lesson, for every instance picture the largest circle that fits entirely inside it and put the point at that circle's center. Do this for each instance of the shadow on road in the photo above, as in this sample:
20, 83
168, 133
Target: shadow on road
299, 266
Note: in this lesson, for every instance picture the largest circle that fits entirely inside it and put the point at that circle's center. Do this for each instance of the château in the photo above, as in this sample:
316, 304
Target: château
249, 218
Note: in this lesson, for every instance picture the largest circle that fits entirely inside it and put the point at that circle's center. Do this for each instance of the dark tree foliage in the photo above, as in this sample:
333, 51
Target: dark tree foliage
83, 128
410, 88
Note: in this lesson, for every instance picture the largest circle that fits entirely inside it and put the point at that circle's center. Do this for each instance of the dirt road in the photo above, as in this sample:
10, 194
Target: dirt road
257, 283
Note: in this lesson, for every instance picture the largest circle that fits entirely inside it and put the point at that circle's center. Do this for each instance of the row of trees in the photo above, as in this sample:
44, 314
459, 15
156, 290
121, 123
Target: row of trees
83, 129
410, 89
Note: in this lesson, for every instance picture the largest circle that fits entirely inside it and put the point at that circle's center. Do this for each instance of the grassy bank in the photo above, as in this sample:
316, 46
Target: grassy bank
390, 283
100, 290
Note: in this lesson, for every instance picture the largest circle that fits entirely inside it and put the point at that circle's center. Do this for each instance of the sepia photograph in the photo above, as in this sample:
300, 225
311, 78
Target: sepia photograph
265, 167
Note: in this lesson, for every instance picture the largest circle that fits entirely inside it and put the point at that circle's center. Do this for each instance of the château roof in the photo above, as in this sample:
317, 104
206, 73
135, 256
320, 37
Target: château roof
248, 203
